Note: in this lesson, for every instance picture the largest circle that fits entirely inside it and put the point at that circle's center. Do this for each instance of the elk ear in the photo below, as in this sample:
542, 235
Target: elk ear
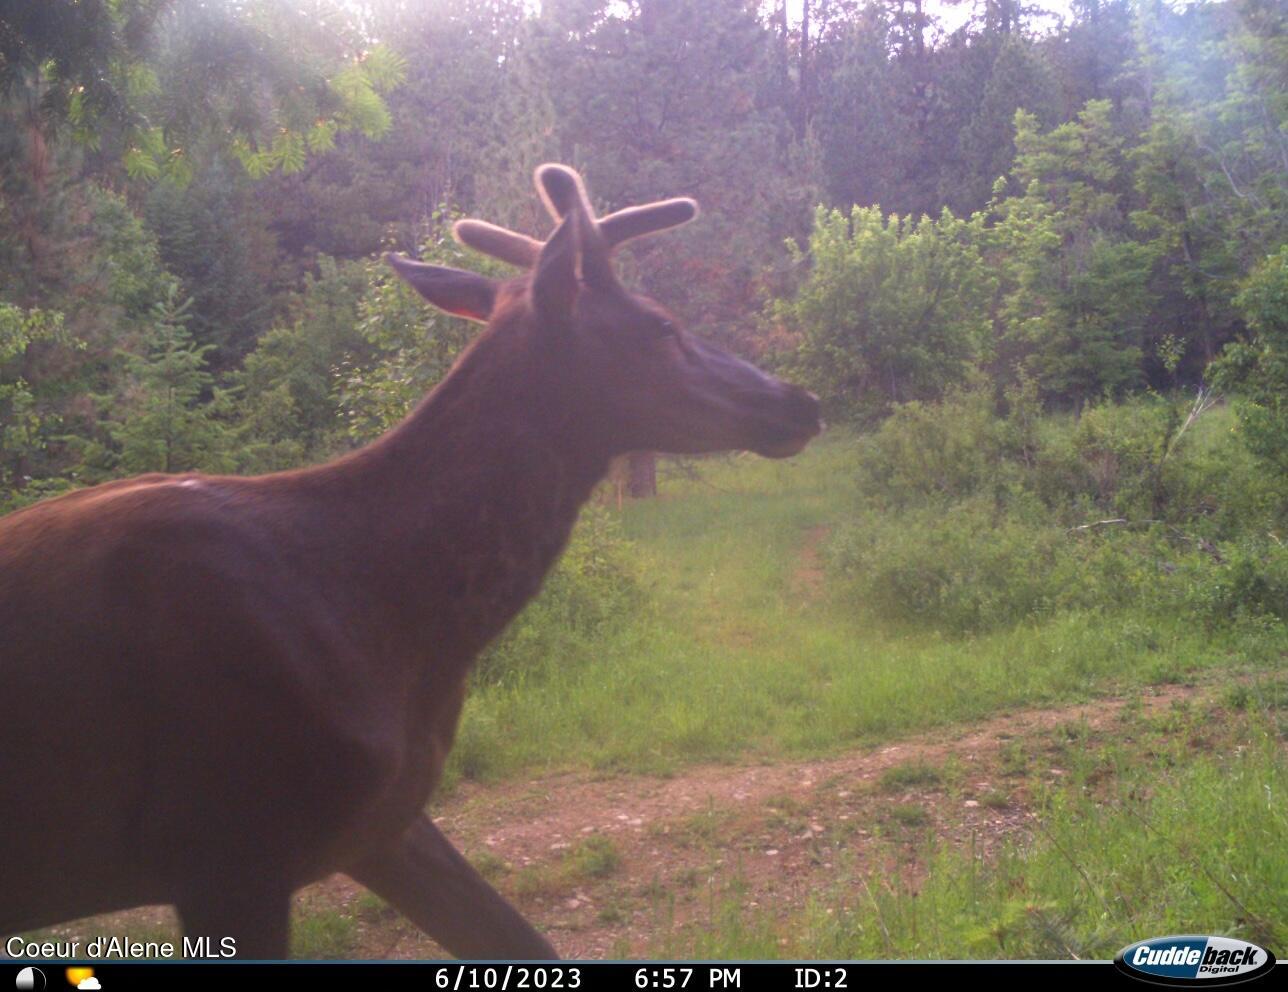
465, 294
554, 281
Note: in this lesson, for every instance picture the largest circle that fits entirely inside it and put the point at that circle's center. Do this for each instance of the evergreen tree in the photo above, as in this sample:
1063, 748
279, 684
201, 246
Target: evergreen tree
664, 99
861, 138
1017, 79
288, 389
24, 425
212, 235
163, 422
1257, 369
1076, 296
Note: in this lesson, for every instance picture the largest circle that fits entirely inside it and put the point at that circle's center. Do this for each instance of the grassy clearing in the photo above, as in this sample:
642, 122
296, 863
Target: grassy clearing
725, 658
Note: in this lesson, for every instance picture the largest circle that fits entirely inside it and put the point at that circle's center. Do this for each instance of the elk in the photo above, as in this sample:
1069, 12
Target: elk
215, 690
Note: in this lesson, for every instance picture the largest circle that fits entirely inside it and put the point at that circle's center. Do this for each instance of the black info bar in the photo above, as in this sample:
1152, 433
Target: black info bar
573, 976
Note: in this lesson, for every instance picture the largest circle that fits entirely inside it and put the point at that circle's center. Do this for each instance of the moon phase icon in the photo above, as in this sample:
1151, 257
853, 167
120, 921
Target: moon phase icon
30, 980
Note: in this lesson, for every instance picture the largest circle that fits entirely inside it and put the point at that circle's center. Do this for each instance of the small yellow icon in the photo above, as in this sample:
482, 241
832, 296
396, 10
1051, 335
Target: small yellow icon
77, 975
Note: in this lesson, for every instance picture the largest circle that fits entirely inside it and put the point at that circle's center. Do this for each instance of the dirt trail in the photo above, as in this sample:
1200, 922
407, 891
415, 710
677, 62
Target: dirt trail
807, 578
775, 833
614, 867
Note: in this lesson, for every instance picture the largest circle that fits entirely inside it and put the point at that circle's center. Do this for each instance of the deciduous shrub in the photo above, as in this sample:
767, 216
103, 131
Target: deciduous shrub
969, 516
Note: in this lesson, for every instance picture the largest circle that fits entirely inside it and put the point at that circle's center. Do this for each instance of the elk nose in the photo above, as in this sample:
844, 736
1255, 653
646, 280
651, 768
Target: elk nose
803, 408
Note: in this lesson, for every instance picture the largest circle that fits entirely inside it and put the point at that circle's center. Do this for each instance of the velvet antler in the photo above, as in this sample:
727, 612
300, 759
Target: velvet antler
562, 191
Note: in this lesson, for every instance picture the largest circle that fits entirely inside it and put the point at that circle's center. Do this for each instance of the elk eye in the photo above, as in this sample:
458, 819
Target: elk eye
665, 329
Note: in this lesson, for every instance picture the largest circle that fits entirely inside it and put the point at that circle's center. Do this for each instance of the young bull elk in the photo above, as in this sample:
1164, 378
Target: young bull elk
215, 690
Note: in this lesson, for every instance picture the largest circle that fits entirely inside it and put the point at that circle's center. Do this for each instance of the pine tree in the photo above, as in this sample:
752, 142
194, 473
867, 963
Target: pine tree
163, 422
1256, 370
1077, 295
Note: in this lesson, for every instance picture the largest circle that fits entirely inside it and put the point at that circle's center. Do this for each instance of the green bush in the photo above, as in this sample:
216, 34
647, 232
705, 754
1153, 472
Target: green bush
1257, 369
968, 519
957, 567
1248, 578
874, 322
925, 451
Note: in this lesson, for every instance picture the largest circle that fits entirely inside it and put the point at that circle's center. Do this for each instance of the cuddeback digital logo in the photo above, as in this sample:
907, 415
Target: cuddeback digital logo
1194, 960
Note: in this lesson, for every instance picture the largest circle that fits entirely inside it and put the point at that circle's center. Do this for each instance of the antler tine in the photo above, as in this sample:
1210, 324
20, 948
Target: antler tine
561, 190
564, 196
499, 242
648, 218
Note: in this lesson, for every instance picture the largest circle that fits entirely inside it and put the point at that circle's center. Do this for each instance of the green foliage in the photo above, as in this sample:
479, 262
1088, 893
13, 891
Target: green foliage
595, 857
1076, 293
284, 83
892, 310
956, 567
648, 118
359, 87
413, 344
125, 271
22, 422
87, 51
970, 520
927, 451
212, 235
1017, 79
99, 63
162, 422
1135, 154
1258, 368
288, 390
863, 148
100, 299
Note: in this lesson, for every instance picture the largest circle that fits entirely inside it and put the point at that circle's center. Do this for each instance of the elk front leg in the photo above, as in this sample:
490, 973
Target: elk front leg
257, 916
428, 880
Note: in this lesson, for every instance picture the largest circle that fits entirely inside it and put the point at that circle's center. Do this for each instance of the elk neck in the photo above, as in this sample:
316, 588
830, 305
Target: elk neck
468, 502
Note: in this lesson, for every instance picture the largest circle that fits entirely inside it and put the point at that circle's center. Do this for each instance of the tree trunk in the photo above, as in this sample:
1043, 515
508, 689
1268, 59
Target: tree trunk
802, 121
641, 477
783, 58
